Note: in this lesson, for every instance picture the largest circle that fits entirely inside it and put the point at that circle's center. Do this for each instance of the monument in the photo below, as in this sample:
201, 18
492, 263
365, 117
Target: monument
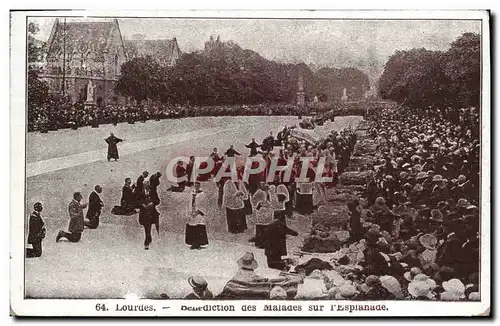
301, 96
90, 102
344, 95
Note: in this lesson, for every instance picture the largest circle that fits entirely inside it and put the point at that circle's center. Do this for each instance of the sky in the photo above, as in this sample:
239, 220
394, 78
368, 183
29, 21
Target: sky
364, 44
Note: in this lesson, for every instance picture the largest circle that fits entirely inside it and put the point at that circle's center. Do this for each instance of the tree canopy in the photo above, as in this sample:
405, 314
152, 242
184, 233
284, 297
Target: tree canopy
419, 77
227, 74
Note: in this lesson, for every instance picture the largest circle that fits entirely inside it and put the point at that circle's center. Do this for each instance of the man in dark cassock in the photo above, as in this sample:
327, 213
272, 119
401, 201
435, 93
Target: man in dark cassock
148, 214
268, 143
112, 149
275, 242
95, 206
253, 147
231, 152
139, 186
36, 232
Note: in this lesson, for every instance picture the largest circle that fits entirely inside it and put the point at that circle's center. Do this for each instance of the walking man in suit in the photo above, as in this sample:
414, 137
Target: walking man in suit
148, 214
95, 206
76, 222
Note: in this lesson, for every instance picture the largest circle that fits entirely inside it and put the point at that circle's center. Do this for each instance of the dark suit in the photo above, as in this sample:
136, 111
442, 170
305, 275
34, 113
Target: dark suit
154, 182
139, 188
128, 200
94, 211
148, 216
275, 243
36, 235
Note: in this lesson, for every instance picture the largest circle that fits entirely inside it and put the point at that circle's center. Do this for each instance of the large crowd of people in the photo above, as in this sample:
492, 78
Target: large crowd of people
59, 115
414, 233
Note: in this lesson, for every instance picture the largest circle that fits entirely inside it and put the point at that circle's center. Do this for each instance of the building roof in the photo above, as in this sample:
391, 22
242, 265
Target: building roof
81, 37
161, 49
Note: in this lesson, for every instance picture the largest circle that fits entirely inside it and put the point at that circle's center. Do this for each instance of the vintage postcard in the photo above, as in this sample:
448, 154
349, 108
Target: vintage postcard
250, 163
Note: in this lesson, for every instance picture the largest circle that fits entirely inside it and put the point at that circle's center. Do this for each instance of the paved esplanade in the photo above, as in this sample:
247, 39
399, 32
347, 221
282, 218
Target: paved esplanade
111, 260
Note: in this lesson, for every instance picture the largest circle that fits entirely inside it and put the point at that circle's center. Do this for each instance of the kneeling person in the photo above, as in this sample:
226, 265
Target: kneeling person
76, 221
95, 206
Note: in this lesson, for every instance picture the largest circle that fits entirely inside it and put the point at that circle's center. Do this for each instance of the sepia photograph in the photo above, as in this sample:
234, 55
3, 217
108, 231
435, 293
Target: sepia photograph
250, 163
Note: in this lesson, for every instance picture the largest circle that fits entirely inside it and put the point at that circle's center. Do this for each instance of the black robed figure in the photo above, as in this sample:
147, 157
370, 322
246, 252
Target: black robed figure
112, 140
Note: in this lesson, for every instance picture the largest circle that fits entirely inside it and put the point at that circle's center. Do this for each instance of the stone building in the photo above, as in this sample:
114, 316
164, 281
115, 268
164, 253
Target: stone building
93, 53
165, 51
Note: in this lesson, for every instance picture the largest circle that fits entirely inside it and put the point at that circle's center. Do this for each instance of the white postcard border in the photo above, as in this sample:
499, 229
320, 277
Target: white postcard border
41, 307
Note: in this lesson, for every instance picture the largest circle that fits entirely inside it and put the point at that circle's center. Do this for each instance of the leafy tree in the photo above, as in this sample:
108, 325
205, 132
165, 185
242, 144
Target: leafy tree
141, 78
38, 89
462, 64
423, 78
224, 73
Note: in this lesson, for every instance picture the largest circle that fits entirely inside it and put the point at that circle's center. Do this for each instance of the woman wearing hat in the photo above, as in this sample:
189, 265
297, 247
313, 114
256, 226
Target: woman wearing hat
246, 283
384, 216
374, 262
200, 289
428, 256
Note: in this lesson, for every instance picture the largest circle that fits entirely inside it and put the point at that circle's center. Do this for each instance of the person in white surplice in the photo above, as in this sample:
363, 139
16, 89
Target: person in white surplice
264, 202
196, 227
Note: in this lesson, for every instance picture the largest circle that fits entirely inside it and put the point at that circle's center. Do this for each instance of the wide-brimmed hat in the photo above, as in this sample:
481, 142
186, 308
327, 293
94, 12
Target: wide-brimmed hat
437, 178
407, 186
392, 285
248, 261
424, 278
409, 275
421, 175
380, 201
474, 296
449, 296
436, 215
461, 178
346, 291
419, 289
403, 175
372, 280
462, 202
406, 165
417, 167
418, 187
372, 236
277, 293
197, 282
454, 285
428, 241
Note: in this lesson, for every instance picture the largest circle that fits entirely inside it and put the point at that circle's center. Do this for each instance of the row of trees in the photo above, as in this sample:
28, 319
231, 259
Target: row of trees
228, 74
422, 78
